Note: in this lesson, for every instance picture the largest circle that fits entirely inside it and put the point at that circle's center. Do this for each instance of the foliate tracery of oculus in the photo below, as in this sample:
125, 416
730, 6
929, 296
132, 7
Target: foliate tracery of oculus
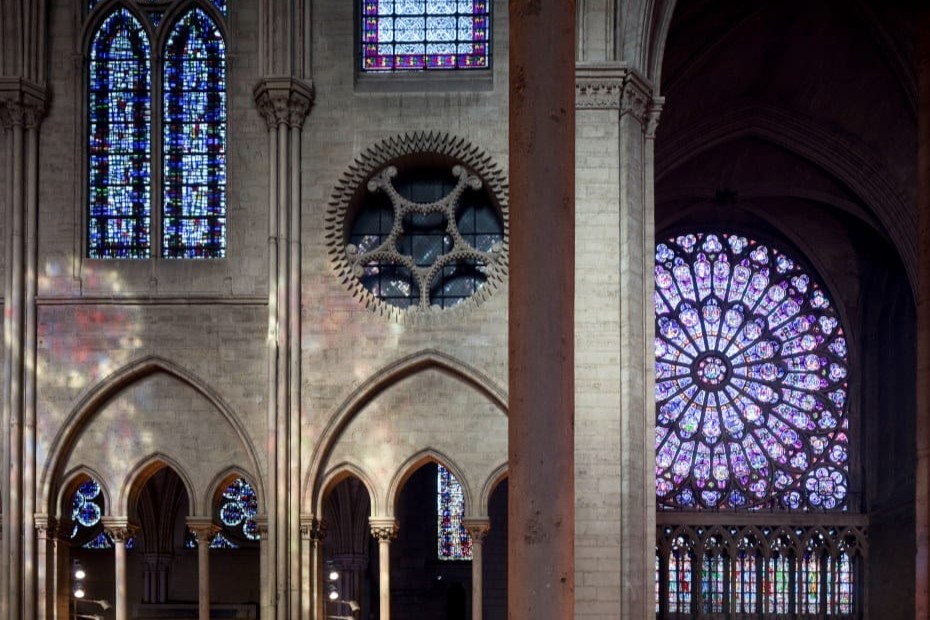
751, 380
86, 514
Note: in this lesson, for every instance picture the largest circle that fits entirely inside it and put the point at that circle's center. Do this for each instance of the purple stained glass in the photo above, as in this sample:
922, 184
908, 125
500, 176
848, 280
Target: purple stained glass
194, 141
419, 35
119, 140
751, 380
454, 542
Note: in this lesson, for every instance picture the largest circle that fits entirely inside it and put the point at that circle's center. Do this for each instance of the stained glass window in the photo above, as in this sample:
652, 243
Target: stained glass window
86, 514
194, 144
453, 540
679, 577
418, 35
237, 510
192, 112
119, 140
449, 234
751, 379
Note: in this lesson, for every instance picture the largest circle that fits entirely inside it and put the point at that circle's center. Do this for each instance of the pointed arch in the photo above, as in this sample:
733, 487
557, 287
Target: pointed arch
490, 485
119, 137
429, 359
142, 472
851, 162
97, 396
214, 491
70, 483
194, 141
341, 472
414, 463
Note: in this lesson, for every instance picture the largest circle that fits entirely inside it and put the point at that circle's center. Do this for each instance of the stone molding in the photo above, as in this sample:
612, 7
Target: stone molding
616, 87
22, 103
599, 87
283, 101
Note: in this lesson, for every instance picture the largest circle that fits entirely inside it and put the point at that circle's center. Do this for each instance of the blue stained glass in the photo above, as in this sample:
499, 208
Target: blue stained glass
751, 379
430, 35
119, 140
194, 224
221, 5
238, 510
454, 543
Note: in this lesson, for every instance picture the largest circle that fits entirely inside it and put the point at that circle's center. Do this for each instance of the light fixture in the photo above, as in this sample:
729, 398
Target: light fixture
79, 591
333, 595
79, 572
333, 575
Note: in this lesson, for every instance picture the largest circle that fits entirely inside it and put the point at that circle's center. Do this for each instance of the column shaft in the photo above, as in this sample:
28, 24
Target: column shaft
203, 580
120, 604
922, 603
541, 340
384, 578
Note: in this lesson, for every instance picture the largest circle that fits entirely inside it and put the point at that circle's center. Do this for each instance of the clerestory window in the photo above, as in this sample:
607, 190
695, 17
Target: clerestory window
156, 130
424, 35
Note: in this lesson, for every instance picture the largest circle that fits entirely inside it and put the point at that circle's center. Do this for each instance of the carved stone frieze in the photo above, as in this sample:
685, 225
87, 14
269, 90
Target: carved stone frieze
22, 103
283, 101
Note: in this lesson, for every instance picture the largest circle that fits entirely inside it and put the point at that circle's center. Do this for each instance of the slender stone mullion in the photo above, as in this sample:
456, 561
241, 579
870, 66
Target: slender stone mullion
541, 582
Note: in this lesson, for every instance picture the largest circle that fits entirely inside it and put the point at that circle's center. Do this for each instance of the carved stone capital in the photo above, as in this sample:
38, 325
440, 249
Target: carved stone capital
261, 522
204, 529
477, 528
312, 528
46, 526
652, 117
119, 529
599, 87
283, 101
637, 97
384, 529
22, 103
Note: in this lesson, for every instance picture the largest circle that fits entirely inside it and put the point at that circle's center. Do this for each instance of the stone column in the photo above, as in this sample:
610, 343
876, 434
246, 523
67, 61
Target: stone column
204, 530
47, 535
266, 589
477, 529
922, 606
22, 107
120, 531
284, 102
61, 586
541, 341
385, 530
312, 533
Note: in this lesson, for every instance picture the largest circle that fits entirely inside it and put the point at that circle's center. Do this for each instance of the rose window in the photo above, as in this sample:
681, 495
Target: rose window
751, 380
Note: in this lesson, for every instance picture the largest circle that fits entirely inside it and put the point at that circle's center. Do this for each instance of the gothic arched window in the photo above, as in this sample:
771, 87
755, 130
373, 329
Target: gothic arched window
751, 380
419, 35
188, 208
453, 540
